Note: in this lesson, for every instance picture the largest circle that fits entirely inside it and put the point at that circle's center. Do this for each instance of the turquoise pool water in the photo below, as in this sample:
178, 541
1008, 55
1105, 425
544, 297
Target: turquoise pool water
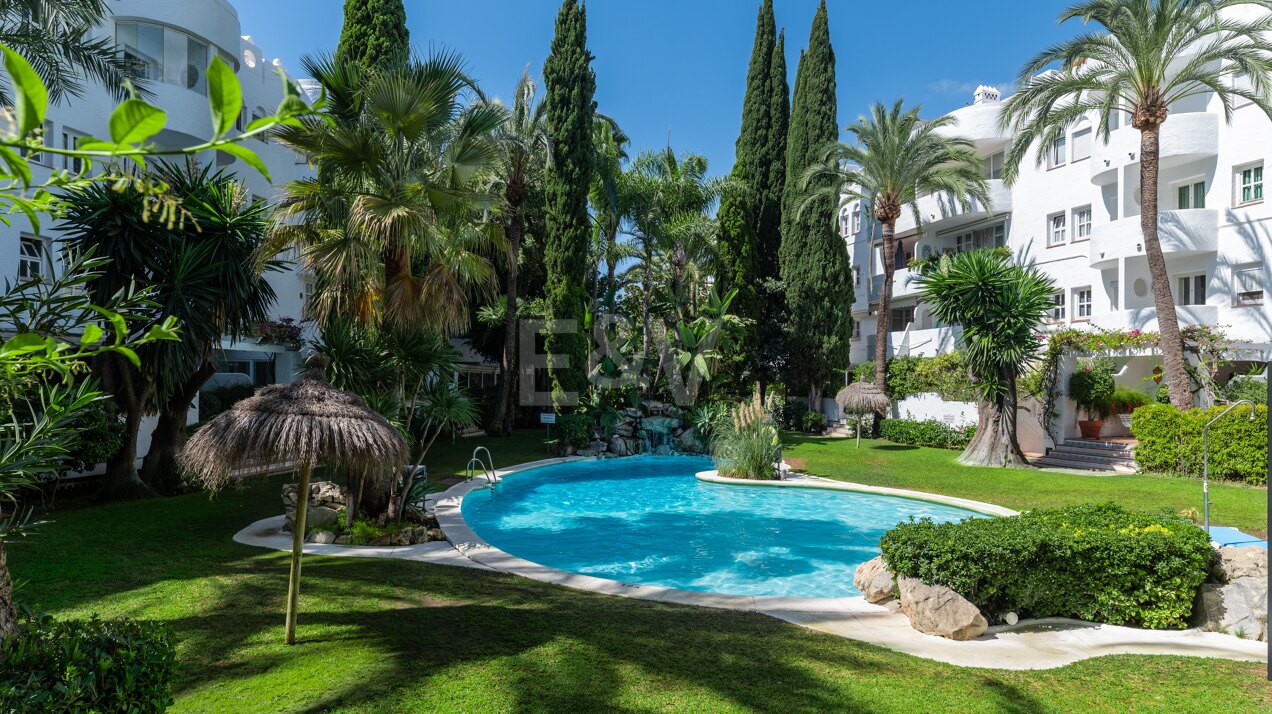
647, 520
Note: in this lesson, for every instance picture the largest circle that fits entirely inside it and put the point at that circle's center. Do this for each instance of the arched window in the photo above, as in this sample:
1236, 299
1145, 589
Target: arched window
856, 219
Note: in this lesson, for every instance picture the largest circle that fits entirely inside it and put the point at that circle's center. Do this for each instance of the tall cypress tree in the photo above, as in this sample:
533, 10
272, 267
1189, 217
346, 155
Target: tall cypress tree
374, 33
814, 259
750, 215
569, 83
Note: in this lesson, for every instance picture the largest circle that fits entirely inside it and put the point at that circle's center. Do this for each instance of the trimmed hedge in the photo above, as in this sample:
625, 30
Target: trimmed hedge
925, 433
87, 666
1170, 442
1096, 562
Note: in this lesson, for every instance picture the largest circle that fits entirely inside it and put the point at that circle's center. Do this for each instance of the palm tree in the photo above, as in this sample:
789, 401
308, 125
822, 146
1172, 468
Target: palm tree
53, 35
206, 272
395, 223
1147, 55
897, 157
524, 151
671, 200
610, 200
1000, 305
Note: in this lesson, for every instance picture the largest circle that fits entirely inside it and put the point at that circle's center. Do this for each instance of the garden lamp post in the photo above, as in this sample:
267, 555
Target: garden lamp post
1205, 459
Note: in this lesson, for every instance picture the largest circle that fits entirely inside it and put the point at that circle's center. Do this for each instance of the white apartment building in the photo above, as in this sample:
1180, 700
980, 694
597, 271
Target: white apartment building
175, 41
1076, 217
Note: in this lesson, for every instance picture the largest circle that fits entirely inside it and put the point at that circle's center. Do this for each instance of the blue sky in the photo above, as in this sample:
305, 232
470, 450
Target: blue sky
678, 67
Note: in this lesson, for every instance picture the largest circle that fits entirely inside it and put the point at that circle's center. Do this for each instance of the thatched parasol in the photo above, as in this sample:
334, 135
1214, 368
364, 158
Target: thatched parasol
860, 398
307, 422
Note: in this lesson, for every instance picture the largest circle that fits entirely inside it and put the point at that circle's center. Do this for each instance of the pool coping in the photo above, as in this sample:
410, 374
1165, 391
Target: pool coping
1030, 644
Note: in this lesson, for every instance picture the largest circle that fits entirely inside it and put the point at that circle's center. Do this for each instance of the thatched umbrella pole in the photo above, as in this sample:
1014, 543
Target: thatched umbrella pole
298, 548
307, 423
862, 397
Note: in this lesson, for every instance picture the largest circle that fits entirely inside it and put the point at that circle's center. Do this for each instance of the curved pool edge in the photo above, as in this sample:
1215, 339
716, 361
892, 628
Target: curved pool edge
819, 482
1041, 644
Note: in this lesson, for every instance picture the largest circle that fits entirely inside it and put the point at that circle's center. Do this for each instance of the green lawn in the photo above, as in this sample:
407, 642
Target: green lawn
882, 463
394, 636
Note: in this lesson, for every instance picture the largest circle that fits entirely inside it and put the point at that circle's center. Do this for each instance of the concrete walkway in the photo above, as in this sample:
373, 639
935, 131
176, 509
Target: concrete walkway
1030, 644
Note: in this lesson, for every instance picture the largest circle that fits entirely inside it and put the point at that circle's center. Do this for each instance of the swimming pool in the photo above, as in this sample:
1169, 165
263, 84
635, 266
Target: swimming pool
648, 520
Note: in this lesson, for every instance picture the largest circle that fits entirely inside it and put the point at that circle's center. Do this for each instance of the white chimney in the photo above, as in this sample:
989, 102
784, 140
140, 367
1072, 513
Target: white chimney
985, 94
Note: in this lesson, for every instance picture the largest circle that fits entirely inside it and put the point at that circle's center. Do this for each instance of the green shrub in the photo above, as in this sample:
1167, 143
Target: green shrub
1242, 387
1170, 441
1091, 388
1092, 562
710, 418
925, 433
87, 666
574, 430
944, 375
813, 422
1126, 400
749, 446
99, 434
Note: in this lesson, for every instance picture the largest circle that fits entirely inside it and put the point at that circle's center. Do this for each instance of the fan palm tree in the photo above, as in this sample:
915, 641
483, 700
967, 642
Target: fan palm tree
895, 158
207, 272
394, 223
1144, 56
53, 35
1000, 305
610, 198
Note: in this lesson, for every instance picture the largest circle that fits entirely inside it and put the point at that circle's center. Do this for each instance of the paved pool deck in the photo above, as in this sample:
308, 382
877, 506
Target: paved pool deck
1030, 644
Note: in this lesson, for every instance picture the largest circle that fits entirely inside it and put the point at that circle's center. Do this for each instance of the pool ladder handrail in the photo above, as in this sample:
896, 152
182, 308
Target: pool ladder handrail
485, 469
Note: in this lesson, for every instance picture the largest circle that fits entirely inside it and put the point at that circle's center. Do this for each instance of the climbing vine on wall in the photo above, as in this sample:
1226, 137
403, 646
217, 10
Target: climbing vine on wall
1209, 345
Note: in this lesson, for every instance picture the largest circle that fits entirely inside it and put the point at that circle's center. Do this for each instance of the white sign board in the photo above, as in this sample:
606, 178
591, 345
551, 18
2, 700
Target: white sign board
546, 418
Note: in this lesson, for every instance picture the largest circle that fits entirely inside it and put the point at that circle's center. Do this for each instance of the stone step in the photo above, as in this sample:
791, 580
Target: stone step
1074, 454
1053, 461
1104, 445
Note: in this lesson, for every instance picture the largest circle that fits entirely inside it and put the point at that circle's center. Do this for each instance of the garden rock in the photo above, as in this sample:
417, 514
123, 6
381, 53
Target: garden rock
321, 537
343, 540
623, 445
321, 517
322, 494
436, 534
874, 580
688, 441
1235, 563
938, 610
1238, 608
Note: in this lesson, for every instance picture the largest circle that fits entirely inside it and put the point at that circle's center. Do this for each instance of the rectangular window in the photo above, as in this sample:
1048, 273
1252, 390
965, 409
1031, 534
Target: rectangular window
856, 221
1082, 144
901, 317
1082, 304
142, 47
30, 258
1190, 195
994, 166
1190, 290
1057, 307
1057, 155
196, 66
1250, 184
856, 276
1248, 280
856, 329
71, 140
1082, 223
963, 242
1056, 230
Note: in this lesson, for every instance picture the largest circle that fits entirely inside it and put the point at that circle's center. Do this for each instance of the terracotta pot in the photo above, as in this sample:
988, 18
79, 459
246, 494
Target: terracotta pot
1091, 429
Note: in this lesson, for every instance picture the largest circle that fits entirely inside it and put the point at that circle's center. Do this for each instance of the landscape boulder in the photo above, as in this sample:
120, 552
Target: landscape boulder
1238, 607
1235, 563
938, 610
321, 537
688, 442
874, 580
323, 495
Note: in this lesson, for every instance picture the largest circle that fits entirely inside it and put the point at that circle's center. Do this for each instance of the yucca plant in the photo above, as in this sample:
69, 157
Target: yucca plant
749, 445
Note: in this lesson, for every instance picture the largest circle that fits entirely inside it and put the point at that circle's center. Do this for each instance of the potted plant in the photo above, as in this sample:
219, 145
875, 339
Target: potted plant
1124, 402
1091, 389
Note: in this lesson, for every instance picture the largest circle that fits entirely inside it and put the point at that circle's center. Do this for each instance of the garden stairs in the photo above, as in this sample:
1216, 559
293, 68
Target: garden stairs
1091, 455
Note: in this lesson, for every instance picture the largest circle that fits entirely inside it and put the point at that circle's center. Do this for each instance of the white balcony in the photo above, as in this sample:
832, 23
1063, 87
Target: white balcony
1184, 138
978, 123
940, 211
1145, 318
1182, 233
925, 343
